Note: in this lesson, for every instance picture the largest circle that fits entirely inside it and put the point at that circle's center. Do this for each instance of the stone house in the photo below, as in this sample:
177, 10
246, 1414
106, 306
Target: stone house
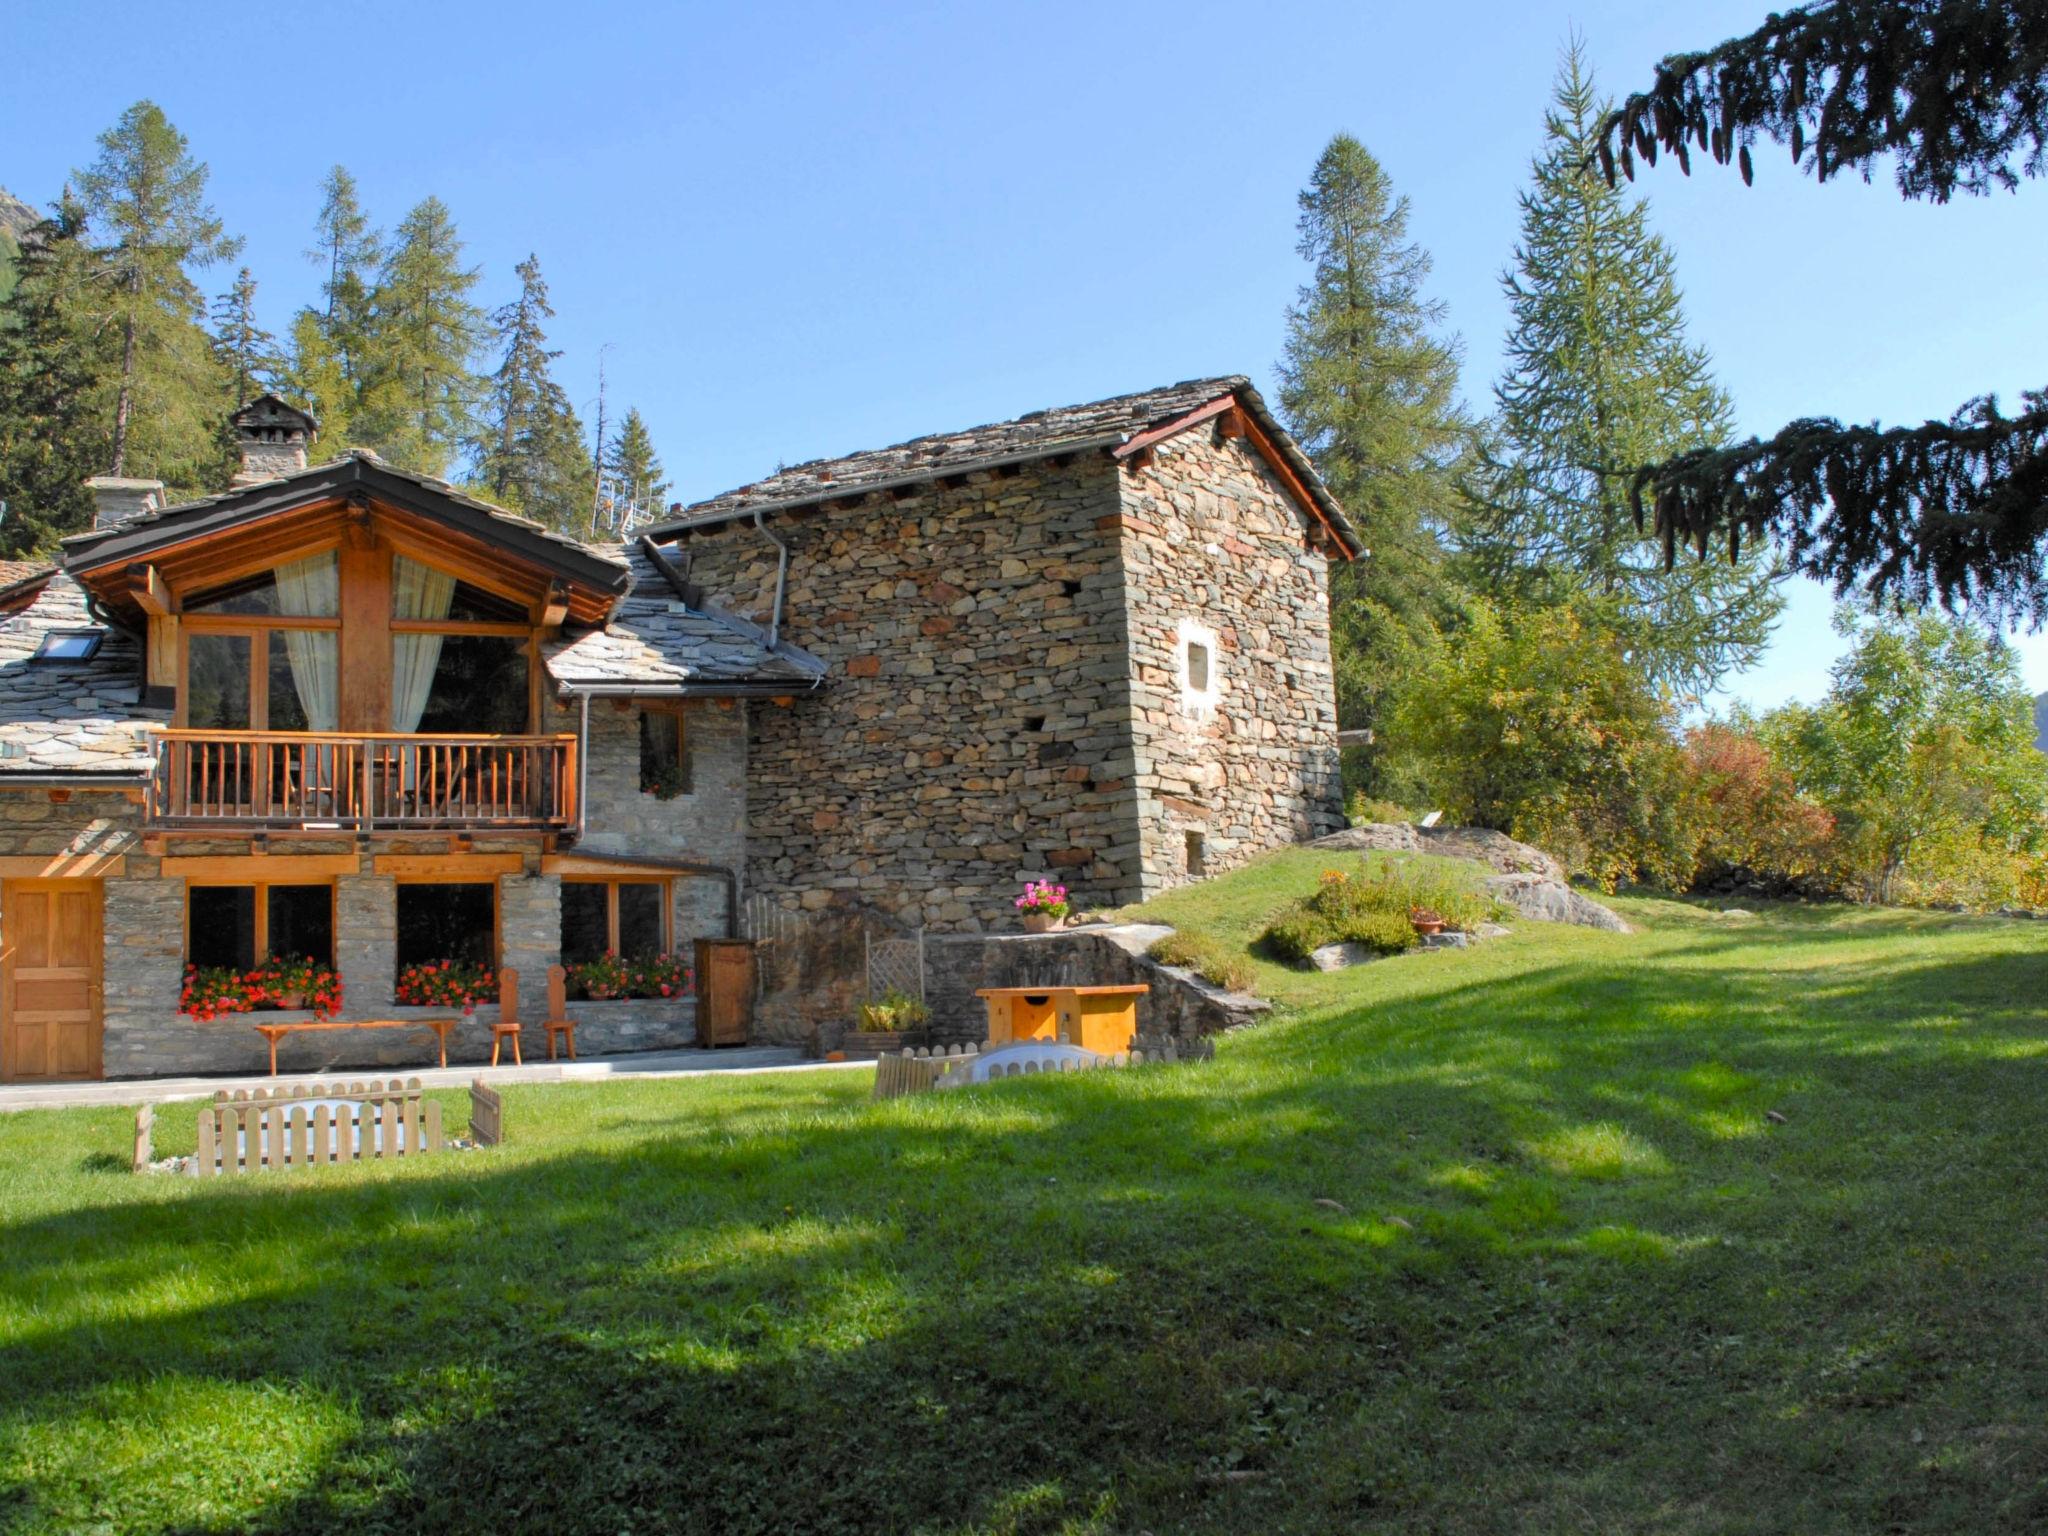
345, 711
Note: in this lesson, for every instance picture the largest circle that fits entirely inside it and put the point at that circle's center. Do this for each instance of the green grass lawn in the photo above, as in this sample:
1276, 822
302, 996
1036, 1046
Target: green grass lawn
1576, 1277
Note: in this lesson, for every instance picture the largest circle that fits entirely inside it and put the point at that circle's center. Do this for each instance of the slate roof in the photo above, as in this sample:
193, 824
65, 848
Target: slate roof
70, 717
1041, 434
655, 640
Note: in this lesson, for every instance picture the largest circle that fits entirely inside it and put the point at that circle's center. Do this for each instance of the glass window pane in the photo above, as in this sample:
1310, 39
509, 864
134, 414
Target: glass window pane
585, 933
217, 682
308, 589
303, 691
448, 922
302, 922
473, 603
479, 686
220, 926
664, 765
640, 922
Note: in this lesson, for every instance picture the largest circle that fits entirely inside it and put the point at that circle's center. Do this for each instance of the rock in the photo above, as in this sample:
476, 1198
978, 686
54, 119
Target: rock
1774, 1117
1495, 849
1402, 1222
1491, 931
1341, 957
1551, 901
1373, 837
1331, 1205
1737, 912
1447, 940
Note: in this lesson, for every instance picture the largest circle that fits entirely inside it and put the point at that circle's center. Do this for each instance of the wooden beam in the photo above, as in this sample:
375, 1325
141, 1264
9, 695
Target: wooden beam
60, 797
1231, 423
1146, 440
88, 865
277, 868
555, 607
418, 866
598, 864
147, 587
1285, 472
162, 648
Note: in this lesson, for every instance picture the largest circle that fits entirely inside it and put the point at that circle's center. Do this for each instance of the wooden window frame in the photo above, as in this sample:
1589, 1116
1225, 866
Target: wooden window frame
260, 933
457, 878
611, 883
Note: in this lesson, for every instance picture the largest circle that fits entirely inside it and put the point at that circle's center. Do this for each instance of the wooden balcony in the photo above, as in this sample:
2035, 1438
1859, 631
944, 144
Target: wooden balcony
308, 781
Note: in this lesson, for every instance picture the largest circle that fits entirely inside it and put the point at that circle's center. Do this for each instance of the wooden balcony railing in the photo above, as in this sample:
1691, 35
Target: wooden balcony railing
279, 779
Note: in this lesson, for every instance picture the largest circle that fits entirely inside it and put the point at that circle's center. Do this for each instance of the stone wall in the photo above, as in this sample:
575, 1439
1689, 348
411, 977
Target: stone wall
1006, 697
1214, 552
707, 825
1180, 1006
973, 734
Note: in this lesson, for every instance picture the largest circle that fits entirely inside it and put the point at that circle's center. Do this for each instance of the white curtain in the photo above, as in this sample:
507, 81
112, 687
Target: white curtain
311, 589
417, 592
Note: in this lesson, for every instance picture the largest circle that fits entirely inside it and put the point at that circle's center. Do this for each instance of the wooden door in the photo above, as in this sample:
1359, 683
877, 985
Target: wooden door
49, 980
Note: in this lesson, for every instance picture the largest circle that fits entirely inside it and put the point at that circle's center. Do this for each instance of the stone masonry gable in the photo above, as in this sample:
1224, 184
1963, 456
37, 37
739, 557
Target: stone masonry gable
1099, 424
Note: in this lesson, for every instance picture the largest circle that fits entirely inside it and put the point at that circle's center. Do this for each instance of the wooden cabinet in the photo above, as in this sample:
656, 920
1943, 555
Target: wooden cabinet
725, 991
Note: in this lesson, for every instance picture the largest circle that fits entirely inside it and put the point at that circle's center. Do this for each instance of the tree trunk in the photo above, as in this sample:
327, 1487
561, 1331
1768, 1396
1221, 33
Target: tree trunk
124, 399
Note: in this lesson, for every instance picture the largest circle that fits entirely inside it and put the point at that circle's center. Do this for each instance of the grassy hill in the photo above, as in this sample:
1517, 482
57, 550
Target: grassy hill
1731, 1225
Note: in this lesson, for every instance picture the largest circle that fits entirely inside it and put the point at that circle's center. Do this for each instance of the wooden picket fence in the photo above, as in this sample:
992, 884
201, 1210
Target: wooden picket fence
929, 1067
918, 1069
309, 1123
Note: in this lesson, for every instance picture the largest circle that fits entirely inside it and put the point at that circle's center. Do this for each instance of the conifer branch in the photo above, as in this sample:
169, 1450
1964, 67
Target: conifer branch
1952, 511
1956, 89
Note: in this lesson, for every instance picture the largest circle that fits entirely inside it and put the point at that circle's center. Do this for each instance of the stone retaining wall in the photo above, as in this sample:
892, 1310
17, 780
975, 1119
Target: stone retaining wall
1180, 1006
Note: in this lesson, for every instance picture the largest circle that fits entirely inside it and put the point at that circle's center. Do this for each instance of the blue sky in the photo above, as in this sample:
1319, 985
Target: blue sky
804, 229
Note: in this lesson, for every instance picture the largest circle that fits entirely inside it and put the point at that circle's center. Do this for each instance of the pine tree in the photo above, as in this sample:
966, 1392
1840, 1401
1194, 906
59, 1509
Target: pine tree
1600, 378
56, 360
416, 383
1369, 385
351, 250
531, 453
632, 464
317, 378
247, 351
1954, 94
148, 195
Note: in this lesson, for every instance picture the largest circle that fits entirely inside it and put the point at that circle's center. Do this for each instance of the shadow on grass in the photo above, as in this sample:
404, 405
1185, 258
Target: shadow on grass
1113, 1302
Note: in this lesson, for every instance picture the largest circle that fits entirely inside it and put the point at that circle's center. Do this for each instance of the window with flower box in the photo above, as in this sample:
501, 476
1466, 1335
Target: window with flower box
448, 920
235, 926
629, 918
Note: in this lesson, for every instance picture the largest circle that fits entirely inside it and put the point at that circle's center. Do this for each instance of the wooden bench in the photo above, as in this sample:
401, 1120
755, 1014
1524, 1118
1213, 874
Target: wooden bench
276, 1032
1099, 1019
251, 1129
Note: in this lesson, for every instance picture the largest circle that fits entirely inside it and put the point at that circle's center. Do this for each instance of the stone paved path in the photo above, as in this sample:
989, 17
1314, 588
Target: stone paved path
682, 1063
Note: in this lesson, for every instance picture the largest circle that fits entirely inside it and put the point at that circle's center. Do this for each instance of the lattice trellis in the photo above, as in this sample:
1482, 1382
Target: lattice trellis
895, 963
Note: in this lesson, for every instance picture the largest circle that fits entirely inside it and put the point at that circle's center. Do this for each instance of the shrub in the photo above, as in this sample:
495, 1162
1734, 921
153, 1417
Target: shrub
1210, 959
1754, 822
1374, 910
896, 1010
608, 976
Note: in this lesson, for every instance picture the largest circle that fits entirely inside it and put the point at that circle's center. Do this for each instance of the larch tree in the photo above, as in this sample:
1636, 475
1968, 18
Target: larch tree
633, 465
56, 359
246, 351
351, 249
418, 388
530, 453
1369, 386
147, 196
1956, 91
1601, 376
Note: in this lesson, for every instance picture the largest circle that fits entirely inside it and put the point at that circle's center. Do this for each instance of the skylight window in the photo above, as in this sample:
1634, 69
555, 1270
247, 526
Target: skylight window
70, 645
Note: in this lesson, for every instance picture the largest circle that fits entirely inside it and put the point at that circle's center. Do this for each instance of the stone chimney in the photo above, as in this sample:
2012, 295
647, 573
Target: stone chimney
115, 500
273, 437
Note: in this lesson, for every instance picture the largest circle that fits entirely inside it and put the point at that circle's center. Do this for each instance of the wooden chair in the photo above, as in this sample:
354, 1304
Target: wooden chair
508, 1016
558, 1022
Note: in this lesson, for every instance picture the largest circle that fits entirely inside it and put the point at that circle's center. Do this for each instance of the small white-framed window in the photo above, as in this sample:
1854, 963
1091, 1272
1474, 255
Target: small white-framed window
1201, 679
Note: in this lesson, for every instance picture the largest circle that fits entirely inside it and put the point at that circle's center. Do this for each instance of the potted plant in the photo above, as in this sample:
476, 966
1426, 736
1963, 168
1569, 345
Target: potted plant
601, 979
212, 990
446, 984
1043, 905
1426, 920
896, 1021
297, 982
657, 976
